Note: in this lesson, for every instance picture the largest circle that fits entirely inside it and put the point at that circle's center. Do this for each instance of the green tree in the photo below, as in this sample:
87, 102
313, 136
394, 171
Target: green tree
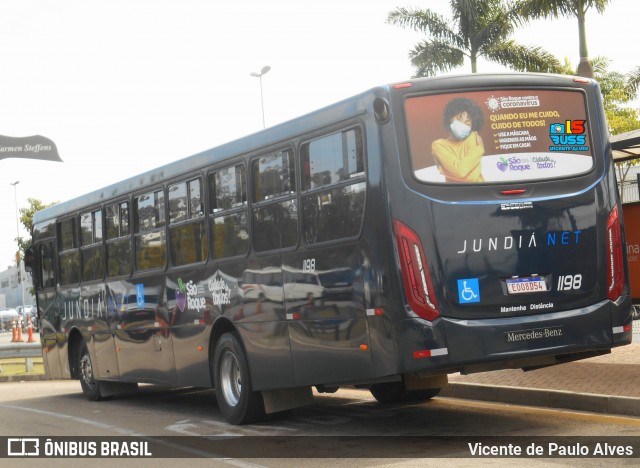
535, 9
26, 218
479, 28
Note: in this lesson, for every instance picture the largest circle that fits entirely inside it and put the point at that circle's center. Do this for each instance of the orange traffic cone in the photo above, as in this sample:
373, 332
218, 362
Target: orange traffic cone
14, 336
20, 339
31, 339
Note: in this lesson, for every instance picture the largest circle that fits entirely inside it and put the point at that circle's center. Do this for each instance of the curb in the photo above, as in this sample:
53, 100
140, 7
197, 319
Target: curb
593, 403
23, 378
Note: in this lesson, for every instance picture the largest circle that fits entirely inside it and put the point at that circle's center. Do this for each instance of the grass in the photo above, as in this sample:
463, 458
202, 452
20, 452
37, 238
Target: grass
17, 366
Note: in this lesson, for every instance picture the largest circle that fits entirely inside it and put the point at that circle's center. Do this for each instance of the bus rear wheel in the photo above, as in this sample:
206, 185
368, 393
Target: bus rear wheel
395, 392
90, 386
236, 399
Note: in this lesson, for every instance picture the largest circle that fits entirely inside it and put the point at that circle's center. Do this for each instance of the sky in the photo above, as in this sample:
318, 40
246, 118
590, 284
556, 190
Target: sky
123, 86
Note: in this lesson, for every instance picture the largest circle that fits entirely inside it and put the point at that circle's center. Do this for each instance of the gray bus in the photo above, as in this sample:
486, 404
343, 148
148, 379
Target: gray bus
451, 224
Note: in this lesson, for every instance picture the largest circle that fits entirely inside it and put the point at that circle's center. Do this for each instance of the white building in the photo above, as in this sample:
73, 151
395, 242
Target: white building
11, 288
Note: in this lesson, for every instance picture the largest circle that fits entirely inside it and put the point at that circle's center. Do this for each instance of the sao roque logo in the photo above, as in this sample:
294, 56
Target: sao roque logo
188, 297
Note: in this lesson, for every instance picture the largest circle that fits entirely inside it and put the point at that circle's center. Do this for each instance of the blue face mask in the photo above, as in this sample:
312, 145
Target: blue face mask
460, 130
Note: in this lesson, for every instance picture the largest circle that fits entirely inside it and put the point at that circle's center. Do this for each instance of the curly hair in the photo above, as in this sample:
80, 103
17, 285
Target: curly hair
458, 105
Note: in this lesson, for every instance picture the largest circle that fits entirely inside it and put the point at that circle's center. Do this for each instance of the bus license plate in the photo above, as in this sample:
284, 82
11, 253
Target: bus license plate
526, 285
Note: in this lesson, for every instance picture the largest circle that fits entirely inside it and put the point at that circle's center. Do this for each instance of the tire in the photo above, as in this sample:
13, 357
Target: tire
236, 399
90, 386
394, 392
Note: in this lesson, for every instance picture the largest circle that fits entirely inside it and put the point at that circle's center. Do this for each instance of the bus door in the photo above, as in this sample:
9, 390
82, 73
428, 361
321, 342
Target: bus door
143, 339
103, 331
326, 316
48, 302
49, 305
261, 322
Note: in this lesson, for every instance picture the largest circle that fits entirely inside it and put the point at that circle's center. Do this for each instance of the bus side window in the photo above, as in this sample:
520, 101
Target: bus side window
149, 217
275, 208
334, 186
92, 251
118, 239
228, 202
187, 231
69, 257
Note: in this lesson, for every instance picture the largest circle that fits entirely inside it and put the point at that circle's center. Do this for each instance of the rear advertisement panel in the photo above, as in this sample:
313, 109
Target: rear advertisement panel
498, 136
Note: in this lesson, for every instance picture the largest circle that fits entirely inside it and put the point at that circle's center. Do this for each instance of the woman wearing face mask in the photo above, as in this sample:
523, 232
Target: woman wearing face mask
458, 156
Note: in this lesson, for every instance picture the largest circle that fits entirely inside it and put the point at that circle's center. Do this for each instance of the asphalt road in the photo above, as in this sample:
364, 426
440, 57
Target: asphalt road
347, 427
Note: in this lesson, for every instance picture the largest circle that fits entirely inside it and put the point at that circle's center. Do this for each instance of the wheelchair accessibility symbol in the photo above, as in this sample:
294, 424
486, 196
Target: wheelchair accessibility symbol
468, 290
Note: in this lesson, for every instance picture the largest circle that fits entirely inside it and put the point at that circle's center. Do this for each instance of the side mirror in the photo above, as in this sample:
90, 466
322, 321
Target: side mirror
31, 265
29, 260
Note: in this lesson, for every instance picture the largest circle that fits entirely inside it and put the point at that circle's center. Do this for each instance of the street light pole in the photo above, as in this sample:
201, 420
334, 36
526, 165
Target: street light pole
15, 196
258, 75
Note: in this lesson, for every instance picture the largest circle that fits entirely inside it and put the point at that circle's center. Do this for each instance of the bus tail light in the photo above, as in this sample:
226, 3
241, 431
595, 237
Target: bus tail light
415, 274
615, 280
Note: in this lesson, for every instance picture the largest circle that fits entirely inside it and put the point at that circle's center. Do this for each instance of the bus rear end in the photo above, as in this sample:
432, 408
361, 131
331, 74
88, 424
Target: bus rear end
507, 224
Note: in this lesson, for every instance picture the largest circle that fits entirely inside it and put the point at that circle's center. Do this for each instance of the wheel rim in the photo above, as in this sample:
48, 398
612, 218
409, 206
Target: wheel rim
230, 379
86, 370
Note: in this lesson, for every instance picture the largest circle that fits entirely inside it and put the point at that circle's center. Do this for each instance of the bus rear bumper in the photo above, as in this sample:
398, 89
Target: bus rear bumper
530, 341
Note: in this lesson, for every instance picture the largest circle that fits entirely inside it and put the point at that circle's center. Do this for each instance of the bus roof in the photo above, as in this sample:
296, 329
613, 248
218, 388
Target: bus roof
348, 108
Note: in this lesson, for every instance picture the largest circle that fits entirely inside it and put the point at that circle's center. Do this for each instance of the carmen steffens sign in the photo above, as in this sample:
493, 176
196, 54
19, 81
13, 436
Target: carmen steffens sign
33, 147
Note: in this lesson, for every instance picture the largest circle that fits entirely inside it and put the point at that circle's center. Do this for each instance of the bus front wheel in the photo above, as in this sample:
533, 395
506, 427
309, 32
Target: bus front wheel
90, 386
395, 392
236, 399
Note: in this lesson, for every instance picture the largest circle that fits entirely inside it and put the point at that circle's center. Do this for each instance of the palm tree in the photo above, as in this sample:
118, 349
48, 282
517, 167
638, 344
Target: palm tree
479, 28
633, 79
534, 9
